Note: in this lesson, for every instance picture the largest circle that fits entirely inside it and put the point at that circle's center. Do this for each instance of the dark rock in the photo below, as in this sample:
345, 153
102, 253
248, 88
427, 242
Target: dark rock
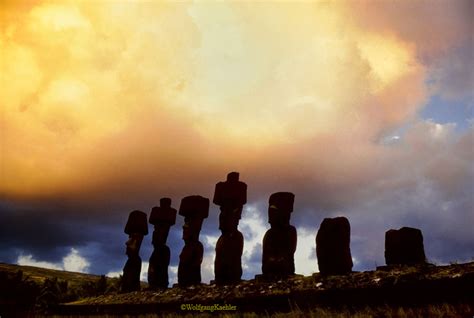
230, 195
137, 223
333, 246
162, 218
194, 206
136, 228
189, 268
158, 267
194, 209
404, 247
164, 213
228, 265
279, 246
229, 248
282, 200
232, 192
131, 274
279, 242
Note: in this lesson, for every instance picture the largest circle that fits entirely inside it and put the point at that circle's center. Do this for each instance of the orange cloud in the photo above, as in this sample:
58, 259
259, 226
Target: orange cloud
100, 93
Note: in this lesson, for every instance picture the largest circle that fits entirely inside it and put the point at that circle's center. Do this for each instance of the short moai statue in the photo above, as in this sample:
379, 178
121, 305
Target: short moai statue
333, 246
162, 217
404, 247
230, 196
279, 242
195, 209
136, 228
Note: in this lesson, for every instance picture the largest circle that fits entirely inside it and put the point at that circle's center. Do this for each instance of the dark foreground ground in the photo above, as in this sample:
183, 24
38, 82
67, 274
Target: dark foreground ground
422, 291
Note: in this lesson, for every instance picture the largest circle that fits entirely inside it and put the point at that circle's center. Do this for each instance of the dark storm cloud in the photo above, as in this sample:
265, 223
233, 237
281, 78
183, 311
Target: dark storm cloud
103, 135
39, 231
418, 187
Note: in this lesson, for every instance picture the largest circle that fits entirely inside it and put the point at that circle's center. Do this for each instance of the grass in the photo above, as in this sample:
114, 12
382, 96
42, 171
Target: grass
437, 310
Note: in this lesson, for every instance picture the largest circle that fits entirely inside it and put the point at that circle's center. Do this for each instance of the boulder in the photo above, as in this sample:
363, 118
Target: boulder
333, 246
404, 247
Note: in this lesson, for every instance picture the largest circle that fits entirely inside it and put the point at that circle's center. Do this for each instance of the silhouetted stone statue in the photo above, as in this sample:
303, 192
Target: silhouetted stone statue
162, 217
230, 195
136, 228
333, 246
404, 247
279, 242
195, 209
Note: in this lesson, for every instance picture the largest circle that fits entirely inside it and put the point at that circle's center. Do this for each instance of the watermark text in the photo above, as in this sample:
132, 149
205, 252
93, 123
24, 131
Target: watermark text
210, 308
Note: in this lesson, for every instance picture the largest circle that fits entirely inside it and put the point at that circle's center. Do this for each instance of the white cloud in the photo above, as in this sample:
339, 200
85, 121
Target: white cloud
207, 265
305, 255
253, 226
144, 272
173, 275
113, 274
27, 260
73, 262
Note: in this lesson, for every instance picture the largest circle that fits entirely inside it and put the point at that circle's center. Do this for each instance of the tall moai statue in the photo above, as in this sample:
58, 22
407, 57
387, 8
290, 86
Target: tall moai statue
230, 196
136, 228
195, 209
162, 217
279, 242
333, 246
404, 247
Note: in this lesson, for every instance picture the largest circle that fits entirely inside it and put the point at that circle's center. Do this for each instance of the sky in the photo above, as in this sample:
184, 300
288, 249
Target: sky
363, 109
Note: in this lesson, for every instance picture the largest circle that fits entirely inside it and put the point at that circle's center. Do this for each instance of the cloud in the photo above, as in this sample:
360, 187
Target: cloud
305, 255
253, 226
110, 106
72, 262
100, 118
434, 27
452, 76
144, 271
28, 260
441, 33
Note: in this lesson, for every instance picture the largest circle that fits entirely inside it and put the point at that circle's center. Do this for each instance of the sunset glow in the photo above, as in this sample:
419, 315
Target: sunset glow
86, 72
360, 108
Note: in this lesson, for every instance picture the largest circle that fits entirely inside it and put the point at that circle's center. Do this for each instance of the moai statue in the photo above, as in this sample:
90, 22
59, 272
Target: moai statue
279, 243
136, 228
404, 247
195, 209
333, 246
230, 195
162, 217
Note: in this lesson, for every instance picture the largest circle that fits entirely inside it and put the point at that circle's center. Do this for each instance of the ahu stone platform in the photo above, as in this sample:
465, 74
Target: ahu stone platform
397, 285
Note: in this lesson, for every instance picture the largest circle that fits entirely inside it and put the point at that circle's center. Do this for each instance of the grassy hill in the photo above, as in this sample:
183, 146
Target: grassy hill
28, 289
39, 275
